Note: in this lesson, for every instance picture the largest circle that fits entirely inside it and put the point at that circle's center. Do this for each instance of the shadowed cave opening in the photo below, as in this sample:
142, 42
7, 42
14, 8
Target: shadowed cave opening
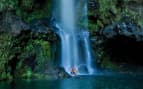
122, 49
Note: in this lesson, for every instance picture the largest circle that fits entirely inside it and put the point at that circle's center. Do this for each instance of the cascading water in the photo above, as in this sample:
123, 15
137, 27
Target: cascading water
71, 22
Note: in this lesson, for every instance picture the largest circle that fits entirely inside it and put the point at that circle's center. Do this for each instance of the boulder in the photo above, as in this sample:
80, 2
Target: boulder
126, 29
13, 24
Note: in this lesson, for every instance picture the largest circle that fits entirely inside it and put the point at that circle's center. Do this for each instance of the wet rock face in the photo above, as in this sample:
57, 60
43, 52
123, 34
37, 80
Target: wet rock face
127, 29
93, 7
123, 42
92, 4
27, 45
135, 3
12, 24
60, 73
40, 25
15, 25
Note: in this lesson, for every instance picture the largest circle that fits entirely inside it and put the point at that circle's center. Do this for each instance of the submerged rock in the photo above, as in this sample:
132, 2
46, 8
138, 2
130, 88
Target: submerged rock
56, 73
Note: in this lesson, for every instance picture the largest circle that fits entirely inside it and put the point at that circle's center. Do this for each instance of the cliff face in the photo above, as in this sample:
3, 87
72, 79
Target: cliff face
26, 40
116, 28
105, 12
27, 9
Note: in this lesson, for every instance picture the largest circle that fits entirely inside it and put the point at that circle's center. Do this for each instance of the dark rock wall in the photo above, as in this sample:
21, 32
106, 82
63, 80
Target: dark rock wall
26, 38
116, 32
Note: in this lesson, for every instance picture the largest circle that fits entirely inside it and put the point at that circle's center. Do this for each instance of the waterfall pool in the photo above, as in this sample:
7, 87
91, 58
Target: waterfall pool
86, 82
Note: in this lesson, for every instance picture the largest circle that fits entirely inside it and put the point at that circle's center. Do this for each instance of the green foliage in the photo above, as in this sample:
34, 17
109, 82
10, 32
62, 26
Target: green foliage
30, 10
27, 4
42, 50
104, 60
15, 50
106, 14
95, 27
36, 15
108, 11
8, 4
5, 54
9, 76
107, 63
38, 48
28, 74
112, 11
27, 9
3, 75
5, 46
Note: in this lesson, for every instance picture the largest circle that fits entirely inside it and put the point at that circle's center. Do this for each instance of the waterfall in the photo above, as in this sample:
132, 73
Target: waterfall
71, 21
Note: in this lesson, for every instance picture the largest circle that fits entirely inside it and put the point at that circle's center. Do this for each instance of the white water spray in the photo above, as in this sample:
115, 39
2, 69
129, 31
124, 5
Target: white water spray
71, 20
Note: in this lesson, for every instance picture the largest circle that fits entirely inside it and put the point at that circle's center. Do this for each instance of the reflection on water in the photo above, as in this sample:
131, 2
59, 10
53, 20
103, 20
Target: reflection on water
76, 84
99, 82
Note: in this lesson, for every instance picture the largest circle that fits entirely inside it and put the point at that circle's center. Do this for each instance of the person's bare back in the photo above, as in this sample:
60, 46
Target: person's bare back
74, 71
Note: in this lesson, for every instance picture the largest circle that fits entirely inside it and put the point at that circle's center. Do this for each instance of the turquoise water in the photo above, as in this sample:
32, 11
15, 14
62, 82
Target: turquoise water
100, 82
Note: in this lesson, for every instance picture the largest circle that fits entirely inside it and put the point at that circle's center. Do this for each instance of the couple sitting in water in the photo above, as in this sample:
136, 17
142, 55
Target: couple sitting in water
74, 71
